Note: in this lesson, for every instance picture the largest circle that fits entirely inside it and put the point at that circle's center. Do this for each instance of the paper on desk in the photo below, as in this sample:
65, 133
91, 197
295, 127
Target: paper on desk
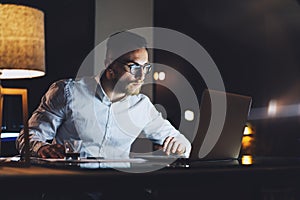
84, 160
10, 159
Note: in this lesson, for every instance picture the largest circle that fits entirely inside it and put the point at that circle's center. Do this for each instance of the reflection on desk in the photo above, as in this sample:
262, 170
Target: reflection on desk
131, 165
211, 180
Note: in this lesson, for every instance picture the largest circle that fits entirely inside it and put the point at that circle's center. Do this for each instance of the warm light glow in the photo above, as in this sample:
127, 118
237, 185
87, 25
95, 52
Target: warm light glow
155, 76
161, 76
247, 130
22, 43
247, 141
272, 108
19, 73
189, 115
247, 160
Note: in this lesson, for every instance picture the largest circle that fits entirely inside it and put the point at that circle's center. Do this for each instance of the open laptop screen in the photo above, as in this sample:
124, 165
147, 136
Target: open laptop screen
212, 143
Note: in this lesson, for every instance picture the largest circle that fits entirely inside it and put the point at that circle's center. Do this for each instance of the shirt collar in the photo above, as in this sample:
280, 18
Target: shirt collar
100, 93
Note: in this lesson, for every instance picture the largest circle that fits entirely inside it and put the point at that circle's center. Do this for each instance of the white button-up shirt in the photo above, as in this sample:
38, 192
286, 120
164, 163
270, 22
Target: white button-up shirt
80, 109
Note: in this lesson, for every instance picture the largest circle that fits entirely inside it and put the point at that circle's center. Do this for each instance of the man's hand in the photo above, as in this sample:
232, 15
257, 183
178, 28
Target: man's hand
51, 151
174, 145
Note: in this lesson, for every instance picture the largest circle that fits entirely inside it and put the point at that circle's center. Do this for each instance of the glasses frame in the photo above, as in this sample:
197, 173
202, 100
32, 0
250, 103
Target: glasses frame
137, 67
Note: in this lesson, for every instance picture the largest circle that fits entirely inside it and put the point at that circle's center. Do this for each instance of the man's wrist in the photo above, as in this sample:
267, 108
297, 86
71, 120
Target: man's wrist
37, 147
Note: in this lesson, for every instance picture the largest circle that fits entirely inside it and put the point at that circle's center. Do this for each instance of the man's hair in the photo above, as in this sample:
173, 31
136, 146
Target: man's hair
123, 42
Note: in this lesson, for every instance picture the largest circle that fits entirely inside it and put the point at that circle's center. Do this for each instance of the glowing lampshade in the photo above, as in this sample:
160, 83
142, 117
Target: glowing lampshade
22, 55
22, 43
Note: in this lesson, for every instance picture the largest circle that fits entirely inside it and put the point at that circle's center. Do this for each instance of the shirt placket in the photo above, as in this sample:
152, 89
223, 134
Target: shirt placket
107, 131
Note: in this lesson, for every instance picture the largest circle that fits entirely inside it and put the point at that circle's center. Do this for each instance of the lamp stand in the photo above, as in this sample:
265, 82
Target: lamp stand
25, 156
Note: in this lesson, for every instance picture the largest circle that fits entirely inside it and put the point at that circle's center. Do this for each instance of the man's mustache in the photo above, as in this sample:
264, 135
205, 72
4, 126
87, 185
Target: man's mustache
137, 82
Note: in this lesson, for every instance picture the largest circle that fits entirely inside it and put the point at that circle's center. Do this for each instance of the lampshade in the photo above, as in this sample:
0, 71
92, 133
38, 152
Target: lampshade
22, 42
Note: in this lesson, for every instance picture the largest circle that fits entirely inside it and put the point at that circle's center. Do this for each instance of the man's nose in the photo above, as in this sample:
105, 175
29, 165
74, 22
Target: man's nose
140, 74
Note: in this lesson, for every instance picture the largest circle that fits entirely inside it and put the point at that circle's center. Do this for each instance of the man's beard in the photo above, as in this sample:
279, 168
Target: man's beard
132, 89
127, 87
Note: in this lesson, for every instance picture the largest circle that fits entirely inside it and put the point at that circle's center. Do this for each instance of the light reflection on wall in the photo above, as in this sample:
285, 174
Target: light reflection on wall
159, 76
274, 110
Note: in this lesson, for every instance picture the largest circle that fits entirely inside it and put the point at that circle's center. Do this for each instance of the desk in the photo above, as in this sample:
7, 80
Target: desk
199, 180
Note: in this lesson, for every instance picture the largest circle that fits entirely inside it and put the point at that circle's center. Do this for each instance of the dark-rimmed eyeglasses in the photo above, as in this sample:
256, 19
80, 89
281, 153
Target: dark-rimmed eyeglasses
135, 68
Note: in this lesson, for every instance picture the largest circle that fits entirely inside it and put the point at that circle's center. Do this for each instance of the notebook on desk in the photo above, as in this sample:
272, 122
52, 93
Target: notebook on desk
210, 143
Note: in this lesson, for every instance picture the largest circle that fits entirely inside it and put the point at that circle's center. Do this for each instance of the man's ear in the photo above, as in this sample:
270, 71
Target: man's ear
111, 74
109, 70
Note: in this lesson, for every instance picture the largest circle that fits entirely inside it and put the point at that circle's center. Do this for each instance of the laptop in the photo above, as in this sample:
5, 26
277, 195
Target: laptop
220, 129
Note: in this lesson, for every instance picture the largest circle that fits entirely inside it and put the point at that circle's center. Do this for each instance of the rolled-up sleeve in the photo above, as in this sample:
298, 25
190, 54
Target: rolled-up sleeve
158, 129
46, 118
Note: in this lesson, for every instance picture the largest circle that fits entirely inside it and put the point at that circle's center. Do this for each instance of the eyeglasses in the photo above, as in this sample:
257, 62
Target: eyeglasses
135, 68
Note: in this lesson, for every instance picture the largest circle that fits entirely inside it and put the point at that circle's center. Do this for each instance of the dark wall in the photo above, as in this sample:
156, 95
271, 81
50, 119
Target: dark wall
256, 47
69, 37
255, 44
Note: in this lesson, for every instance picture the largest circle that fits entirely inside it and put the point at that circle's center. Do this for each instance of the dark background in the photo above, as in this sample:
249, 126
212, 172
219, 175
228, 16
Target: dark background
255, 45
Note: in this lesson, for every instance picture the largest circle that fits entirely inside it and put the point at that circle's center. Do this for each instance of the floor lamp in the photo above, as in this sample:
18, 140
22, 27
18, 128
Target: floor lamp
22, 55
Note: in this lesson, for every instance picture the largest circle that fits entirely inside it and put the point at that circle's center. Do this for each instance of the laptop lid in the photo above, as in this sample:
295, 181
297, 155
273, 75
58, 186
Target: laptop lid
223, 117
